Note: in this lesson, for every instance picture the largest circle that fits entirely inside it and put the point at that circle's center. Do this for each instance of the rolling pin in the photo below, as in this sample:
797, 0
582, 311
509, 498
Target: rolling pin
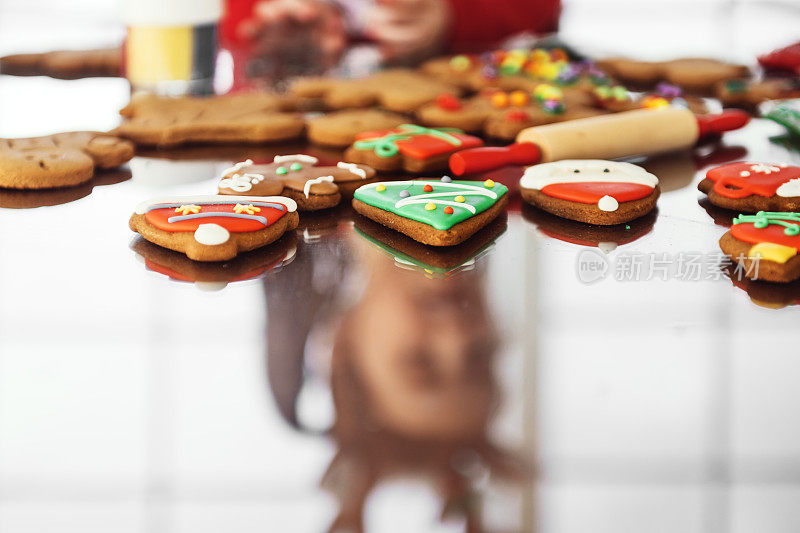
626, 134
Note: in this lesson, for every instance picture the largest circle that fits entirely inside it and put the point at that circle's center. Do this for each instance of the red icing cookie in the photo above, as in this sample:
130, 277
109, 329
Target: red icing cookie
251, 216
591, 193
739, 180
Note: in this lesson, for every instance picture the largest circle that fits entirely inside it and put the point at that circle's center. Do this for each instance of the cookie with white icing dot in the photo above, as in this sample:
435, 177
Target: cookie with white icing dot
297, 177
591, 190
214, 228
750, 187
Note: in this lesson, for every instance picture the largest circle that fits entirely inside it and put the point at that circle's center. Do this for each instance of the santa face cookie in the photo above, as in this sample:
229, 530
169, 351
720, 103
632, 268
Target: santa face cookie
751, 187
297, 177
438, 213
770, 239
214, 228
590, 190
409, 147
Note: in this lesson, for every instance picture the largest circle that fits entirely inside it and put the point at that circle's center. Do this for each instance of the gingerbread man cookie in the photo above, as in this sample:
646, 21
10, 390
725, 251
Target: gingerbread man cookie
238, 118
60, 160
409, 147
765, 245
214, 228
297, 177
750, 187
592, 191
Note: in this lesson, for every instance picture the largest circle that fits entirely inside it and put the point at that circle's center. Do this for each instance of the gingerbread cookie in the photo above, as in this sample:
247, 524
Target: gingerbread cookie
65, 64
397, 90
341, 127
593, 191
213, 276
297, 177
691, 74
749, 187
433, 263
750, 93
242, 118
214, 228
409, 147
438, 213
765, 245
60, 160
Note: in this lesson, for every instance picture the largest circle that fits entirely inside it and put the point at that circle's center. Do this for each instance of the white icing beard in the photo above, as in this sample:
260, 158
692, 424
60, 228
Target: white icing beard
589, 170
789, 189
211, 234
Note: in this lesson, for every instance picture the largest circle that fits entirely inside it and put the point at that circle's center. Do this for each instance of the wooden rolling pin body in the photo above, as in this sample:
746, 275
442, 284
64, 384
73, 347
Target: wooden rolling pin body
613, 136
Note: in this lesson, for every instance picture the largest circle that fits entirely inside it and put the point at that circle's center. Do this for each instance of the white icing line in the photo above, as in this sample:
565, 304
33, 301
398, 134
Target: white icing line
417, 200
237, 167
211, 234
309, 183
291, 205
296, 157
405, 201
491, 194
353, 168
540, 176
789, 189
608, 203
240, 182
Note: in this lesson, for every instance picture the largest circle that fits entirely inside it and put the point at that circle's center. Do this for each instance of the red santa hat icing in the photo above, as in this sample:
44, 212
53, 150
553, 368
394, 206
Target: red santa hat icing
590, 181
738, 180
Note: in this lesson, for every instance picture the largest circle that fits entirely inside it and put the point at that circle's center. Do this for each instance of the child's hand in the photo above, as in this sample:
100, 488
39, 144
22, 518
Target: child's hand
409, 29
279, 21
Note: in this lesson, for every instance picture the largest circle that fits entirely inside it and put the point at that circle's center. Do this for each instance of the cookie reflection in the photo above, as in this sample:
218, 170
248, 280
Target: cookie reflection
411, 374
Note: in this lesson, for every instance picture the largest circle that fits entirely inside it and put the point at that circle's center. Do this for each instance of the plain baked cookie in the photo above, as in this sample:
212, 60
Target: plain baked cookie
214, 228
60, 160
749, 187
591, 190
398, 90
691, 73
340, 128
765, 245
243, 118
437, 213
65, 64
297, 177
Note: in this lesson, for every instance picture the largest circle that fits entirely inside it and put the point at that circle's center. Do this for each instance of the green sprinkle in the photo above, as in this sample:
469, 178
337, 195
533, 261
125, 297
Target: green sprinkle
281, 171
294, 167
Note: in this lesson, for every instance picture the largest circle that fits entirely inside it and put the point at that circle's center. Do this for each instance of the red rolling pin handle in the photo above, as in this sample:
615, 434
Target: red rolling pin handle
728, 120
486, 158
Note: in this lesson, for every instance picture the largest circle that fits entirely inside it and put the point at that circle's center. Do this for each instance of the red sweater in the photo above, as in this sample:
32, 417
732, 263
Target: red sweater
477, 24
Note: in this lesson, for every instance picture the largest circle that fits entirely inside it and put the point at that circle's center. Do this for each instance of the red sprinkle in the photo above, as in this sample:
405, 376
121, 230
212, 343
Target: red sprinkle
448, 102
517, 116
427, 188
448, 210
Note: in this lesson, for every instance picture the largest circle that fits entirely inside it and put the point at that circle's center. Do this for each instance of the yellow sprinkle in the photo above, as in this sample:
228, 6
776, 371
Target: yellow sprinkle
430, 206
488, 184
188, 209
381, 187
246, 209
459, 198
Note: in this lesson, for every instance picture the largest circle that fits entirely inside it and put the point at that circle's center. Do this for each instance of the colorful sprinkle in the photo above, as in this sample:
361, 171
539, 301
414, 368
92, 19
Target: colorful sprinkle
427, 188
460, 198
460, 63
188, 209
519, 99
430, 206
448, 102
448, 210
294, 167
499, 99
281, 171
446, 179
404, 194
247, 209
488, 184
517, 115
380, 187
